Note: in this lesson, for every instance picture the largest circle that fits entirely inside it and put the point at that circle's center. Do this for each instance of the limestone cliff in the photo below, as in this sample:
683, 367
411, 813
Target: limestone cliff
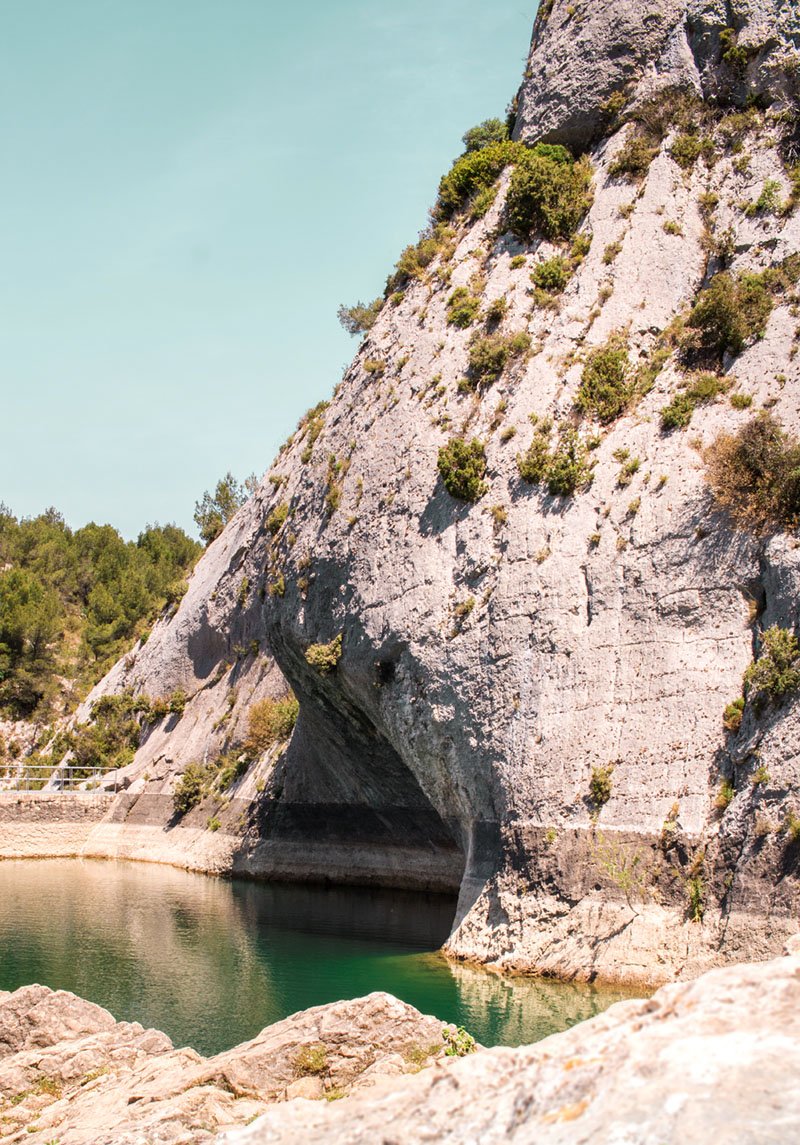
526, 705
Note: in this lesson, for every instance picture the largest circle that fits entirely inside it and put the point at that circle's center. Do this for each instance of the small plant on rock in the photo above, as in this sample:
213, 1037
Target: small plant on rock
606, 387
462, 466
324, 658
776, 673
600, 786
457, 1042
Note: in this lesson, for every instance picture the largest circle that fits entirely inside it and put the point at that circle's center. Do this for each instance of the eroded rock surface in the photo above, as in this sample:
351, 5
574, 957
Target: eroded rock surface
69, 1072
716, 1060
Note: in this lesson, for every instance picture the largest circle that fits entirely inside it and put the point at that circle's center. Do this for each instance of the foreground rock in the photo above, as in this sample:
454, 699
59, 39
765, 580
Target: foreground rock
70, 1073
714, 1061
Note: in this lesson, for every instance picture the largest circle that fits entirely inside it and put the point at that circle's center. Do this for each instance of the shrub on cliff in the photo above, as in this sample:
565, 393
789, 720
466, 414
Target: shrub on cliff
190, 788
776, 673
730, 314
325, 657
485, 134
755, 475
606, 386
359, 319
489, 356
212, 513
564, 470
473, 173
704, 389
270, 721
463, 307
462, 465
550, 193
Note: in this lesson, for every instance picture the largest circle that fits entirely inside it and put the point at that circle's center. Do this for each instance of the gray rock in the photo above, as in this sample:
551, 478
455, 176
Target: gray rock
716, 1060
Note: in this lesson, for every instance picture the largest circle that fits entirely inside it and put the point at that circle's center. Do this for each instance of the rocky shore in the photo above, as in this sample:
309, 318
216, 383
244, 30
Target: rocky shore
717, 1060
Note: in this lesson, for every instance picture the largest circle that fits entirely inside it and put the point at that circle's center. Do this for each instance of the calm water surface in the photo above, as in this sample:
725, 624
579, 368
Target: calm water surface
212, 962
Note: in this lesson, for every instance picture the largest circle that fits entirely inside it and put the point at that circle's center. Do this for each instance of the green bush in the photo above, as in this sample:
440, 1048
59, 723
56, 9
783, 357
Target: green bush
563, 470
755, 475
732, 716
632, 161
600, 785
324, 658
474, 172
549, 194
457, 1042
485, 134
489, 355
212, 513
190, 788
462, 466
704, 389
360, 319
732, 312
552, 275
606, 386
434, 242
568, 470
463, 307
277, 518
269, 722
687, 148
776, 673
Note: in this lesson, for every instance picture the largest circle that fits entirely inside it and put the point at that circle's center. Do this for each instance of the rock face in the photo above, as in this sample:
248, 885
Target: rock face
495, 656
712, 1061
69, 1072
583, 54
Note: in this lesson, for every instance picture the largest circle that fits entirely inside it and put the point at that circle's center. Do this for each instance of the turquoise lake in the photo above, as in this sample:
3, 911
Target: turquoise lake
211, 961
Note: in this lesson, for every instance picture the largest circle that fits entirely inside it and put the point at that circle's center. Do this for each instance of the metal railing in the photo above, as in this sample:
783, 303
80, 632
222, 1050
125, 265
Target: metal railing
61, 780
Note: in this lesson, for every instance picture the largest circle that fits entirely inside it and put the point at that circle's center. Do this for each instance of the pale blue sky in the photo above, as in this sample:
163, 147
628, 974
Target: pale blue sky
190, 189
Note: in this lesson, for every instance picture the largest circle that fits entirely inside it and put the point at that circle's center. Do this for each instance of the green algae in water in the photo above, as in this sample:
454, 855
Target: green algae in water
211, 962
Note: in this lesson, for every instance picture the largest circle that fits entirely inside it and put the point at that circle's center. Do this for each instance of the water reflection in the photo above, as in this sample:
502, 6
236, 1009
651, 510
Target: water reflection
213, 962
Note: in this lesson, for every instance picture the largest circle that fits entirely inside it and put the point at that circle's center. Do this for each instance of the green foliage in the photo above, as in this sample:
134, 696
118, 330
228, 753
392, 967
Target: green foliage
568, 470
311, 425
732, 312
564, 470
474, 172
324, 658
704, 389
769, 202
600, 785
550, 193
632, 161
457, 1042
190, 788
552, 275
277, 518
732, 716
755, 475
463, 307
489, 355
776, 673
359, 319
484, 134
72, 602
311, 1060
687, 148
212, 513
438, 240
606, 387
462, 466
696, 894
269, 722
725, 795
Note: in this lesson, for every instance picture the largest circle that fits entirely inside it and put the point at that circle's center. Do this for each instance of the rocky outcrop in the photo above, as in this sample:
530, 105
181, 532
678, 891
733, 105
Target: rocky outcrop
716, 1060
464, 670
70, 1072
585, 54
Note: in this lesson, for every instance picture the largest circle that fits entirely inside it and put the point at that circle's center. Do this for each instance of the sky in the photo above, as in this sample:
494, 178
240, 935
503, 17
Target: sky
190, 189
